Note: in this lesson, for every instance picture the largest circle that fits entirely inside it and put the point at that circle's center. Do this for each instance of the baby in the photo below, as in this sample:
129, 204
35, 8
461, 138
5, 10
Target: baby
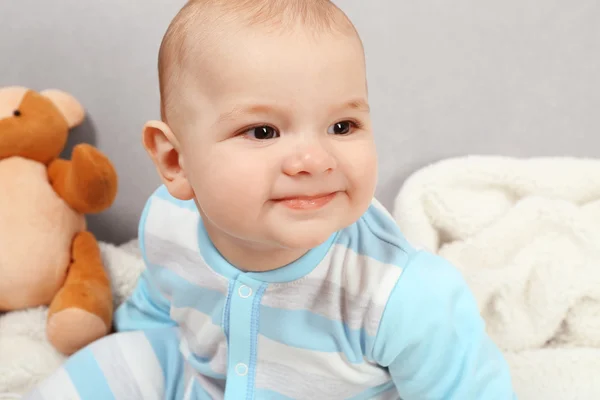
271, 271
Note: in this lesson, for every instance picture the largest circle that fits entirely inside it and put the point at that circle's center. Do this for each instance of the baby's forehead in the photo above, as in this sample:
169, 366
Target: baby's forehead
194, 39
255, 78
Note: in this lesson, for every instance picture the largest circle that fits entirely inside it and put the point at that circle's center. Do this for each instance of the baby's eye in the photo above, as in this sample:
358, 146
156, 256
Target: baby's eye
341, 128
262, 132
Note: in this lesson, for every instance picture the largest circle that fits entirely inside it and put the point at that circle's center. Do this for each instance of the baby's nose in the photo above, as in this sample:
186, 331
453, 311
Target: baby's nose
313, 160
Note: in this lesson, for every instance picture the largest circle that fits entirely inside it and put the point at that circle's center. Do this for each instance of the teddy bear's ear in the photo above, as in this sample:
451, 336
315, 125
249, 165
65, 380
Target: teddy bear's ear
10, 99
68, 105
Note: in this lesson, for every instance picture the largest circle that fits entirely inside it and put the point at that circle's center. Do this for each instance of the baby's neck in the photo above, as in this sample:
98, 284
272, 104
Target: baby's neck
250, 257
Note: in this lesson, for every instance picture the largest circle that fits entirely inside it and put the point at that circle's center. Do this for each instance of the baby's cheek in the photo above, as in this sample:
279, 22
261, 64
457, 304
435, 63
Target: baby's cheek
224, 203
234, 187
360, 165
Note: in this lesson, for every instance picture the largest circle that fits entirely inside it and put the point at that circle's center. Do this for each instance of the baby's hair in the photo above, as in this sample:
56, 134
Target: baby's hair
200, 20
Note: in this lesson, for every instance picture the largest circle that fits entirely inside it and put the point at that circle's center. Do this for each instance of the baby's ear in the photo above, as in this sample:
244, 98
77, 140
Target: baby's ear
163, 148
68, 106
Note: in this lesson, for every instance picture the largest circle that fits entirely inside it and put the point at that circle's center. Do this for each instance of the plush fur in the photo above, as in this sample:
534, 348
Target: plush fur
47, 257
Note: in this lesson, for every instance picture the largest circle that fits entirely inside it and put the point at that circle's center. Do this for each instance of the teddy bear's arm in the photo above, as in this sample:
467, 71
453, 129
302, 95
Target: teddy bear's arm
87, 182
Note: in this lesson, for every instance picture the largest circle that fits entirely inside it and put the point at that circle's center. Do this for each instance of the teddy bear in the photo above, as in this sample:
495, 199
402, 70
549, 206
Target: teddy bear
47, 255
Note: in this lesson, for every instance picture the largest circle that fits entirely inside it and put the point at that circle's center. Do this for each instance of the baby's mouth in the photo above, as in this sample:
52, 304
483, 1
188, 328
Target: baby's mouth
307, 202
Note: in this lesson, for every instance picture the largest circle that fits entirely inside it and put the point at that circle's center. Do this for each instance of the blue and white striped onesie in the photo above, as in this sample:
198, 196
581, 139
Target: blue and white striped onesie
363, 316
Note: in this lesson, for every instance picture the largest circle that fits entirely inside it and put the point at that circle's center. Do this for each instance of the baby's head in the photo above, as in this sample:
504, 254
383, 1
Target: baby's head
265, 120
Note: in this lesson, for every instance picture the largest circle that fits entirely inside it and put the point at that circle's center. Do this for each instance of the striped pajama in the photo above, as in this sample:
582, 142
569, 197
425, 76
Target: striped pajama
362, 316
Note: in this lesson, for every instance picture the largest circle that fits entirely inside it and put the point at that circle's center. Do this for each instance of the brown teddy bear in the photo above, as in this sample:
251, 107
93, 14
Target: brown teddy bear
47, 257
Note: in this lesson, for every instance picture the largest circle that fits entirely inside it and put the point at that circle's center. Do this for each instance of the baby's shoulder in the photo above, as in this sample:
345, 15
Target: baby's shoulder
377, 238
367, 260
167, 219
384, 266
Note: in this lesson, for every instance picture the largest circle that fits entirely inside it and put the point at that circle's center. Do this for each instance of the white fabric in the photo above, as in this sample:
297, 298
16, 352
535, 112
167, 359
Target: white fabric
26, 357
526, 235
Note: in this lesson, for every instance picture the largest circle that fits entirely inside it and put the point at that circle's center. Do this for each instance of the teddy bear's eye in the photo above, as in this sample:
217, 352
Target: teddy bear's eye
17, 113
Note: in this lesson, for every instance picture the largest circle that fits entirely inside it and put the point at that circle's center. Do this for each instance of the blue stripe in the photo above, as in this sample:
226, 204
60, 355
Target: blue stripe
87, 377
163, 194
145, 309
264, 394
307, 330
188, 295
165, 343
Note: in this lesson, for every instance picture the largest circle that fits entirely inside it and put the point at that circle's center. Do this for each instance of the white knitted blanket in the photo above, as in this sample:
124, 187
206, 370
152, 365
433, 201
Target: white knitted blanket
526, 235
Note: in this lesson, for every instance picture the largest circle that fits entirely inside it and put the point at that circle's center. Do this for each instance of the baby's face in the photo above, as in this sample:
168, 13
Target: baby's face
277, 143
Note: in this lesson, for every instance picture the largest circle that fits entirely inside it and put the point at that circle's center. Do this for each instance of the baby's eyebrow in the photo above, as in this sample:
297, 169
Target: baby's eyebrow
243, 109
236, 111
359, 104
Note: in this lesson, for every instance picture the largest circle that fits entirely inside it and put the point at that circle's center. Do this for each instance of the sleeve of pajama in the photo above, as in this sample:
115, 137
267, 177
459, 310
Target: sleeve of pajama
433, 339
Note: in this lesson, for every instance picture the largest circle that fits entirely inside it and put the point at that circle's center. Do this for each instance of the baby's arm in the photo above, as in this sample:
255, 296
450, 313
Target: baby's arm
145, 309
433, 340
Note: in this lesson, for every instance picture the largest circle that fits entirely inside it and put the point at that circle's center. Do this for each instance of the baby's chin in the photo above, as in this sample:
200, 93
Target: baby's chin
305, 235
294, 233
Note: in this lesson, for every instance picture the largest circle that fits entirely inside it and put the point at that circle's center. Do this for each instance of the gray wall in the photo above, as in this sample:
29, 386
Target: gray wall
512, 77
